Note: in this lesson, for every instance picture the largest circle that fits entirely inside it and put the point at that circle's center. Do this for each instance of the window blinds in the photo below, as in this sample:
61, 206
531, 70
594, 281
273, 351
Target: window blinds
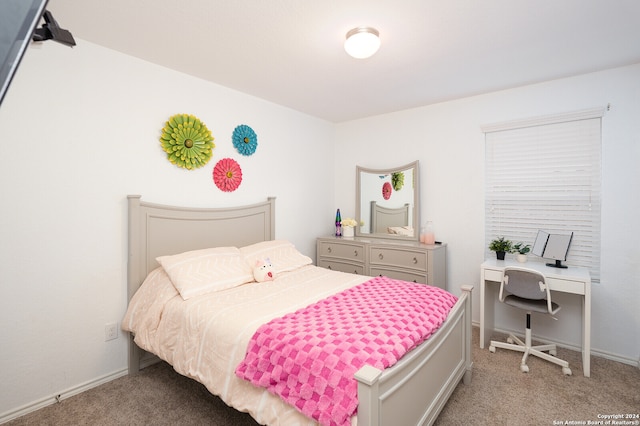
544, 173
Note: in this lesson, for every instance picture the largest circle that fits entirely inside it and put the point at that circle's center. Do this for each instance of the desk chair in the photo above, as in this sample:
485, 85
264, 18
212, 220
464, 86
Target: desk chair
526, 289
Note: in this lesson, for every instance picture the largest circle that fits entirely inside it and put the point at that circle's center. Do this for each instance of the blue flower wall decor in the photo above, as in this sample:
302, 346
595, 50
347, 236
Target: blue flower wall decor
245, 139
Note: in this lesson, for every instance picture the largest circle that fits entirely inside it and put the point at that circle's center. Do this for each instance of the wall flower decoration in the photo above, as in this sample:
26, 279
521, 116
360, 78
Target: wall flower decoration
386, 190
397, 180
245, 139
187, 141
227, 175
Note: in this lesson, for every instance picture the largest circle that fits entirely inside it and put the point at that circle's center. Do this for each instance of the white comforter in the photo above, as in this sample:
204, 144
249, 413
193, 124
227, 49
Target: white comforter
206, 337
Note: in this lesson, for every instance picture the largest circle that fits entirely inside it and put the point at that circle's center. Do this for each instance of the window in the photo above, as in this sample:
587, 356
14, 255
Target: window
544, 173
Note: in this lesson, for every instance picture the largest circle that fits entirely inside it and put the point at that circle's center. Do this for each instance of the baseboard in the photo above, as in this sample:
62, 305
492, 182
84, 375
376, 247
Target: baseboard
44, 402
594, 352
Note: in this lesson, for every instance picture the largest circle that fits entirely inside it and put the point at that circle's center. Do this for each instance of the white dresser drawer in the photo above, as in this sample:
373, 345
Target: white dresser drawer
399, 257
343, 250
334, 265
399, 275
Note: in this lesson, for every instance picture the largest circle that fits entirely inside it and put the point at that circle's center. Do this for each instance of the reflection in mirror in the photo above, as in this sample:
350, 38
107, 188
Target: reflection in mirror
387, 204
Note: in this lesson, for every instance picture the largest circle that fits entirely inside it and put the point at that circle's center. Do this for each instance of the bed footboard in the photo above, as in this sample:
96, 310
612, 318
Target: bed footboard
413, 391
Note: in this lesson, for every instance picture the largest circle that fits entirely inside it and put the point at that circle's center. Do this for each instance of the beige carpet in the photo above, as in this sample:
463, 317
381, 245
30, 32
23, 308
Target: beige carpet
499, 394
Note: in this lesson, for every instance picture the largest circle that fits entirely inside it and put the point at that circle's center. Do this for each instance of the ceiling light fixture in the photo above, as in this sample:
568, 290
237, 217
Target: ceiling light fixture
362, 42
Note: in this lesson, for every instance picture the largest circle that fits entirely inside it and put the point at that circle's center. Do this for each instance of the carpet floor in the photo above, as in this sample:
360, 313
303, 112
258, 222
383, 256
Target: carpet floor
499, 394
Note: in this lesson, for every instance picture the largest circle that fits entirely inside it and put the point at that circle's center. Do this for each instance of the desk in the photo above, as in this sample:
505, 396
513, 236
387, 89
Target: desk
572, 280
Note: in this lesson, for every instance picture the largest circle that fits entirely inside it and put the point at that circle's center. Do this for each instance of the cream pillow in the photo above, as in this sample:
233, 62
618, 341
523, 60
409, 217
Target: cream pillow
282, 254
204, 271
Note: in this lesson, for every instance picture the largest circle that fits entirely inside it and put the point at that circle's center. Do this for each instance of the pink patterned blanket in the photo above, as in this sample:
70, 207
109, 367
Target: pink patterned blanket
309, 357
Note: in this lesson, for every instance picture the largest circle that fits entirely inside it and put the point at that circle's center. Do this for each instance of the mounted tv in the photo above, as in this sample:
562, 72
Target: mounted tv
18, 20
552, 246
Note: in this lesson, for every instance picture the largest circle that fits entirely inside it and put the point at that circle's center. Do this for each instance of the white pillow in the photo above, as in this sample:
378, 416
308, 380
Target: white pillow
281, 253
204, 271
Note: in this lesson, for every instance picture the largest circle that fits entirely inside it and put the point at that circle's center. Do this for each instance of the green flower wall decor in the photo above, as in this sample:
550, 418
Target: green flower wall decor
187, 141
397, 180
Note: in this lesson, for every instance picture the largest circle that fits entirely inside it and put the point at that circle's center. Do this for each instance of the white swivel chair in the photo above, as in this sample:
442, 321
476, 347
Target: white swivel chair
527, 289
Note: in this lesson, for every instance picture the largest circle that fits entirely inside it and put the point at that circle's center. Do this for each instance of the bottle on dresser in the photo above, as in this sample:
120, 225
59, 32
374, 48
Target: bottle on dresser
427, 234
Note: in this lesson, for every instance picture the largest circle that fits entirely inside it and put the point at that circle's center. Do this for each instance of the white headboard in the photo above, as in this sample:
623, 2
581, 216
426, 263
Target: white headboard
157, 230
384, 217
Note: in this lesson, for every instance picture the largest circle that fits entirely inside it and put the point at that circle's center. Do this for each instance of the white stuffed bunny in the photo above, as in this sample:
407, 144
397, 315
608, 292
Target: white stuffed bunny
263, 271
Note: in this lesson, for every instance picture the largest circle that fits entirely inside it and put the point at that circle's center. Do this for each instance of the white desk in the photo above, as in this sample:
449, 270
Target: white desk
572, 280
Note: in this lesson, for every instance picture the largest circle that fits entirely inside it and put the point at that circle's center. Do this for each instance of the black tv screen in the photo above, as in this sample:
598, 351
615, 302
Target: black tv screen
18, 20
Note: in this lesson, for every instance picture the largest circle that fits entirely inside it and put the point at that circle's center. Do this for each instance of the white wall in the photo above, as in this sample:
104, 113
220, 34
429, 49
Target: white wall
447, 140
79, 130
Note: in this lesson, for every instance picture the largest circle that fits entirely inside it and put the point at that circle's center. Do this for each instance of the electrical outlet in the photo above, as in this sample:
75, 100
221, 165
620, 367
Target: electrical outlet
110, 331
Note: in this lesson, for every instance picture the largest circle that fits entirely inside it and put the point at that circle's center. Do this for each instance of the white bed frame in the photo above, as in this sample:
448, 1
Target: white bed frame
412, 392
385, 217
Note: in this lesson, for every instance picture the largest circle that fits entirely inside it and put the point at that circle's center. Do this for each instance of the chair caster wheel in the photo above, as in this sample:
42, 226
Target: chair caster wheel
524, 368
566, 371
492, 349
510, 340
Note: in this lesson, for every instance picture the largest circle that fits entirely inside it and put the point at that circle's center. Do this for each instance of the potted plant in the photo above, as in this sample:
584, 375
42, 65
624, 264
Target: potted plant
500, 246
521, 250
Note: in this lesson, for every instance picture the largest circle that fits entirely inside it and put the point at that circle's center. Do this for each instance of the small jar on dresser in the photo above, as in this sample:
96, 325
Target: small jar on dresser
403, 260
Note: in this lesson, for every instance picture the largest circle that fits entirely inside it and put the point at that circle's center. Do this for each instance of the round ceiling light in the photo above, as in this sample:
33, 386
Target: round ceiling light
362, 42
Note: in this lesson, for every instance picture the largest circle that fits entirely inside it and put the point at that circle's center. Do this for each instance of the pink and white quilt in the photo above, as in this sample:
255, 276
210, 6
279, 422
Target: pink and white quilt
309, 357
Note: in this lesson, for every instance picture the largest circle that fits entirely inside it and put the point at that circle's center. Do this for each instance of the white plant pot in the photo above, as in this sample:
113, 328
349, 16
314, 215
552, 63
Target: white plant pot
522, 258
347, 231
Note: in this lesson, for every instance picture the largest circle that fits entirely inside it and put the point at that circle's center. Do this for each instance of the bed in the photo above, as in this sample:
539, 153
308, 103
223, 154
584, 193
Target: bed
388, 220
413, 391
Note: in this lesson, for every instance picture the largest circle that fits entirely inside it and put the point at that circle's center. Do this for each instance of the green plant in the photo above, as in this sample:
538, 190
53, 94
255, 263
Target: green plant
520, 248
500, 245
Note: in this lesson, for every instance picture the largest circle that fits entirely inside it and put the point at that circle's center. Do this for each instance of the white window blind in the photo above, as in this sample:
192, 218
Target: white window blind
544, 173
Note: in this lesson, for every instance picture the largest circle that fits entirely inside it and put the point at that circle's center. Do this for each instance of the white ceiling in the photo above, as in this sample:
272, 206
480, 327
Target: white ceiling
290, 52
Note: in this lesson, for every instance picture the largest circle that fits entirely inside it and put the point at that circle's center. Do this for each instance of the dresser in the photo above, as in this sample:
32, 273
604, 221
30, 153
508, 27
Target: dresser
403, 260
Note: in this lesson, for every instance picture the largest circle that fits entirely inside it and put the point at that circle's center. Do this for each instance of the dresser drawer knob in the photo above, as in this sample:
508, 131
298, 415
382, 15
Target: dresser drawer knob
355, 253
380, 256
328, 249
415, 260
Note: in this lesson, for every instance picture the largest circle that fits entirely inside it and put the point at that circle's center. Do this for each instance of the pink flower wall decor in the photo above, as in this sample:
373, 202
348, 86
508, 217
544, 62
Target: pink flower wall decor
227, 175
386, 190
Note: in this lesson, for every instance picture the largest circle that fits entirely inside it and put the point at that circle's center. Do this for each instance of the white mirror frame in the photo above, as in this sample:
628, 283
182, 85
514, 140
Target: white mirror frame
414, 207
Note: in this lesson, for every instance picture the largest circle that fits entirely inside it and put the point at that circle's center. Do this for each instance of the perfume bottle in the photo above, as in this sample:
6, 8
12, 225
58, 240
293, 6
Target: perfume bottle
338, 224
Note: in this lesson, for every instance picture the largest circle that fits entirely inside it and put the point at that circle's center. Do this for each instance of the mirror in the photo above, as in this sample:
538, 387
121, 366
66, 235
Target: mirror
388, 201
